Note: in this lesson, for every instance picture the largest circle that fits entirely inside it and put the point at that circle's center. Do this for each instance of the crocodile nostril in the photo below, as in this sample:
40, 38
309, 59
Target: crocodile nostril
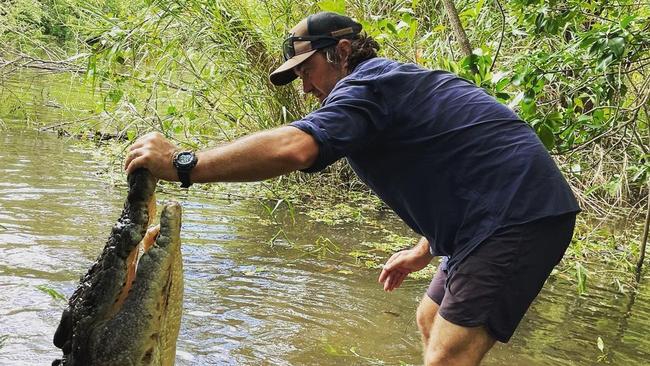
148, 357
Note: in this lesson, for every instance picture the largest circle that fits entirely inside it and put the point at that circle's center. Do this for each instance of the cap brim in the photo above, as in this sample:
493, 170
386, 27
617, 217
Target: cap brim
284, 74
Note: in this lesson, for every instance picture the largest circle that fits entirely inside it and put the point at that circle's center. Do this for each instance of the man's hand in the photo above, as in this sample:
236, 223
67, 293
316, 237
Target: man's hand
400, 264
154, 152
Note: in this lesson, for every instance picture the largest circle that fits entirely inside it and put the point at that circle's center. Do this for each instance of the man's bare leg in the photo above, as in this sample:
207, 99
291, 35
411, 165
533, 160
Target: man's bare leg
453, 345
426, 315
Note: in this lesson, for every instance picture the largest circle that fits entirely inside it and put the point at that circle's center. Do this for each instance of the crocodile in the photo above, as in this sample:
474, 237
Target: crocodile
127, 307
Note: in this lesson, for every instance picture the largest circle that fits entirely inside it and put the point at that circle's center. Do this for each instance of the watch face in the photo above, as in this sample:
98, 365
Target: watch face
184, 158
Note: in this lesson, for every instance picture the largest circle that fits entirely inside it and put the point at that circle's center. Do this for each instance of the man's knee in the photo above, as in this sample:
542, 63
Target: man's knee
439, 353
438, 358
426, 314
457, 356
451, 344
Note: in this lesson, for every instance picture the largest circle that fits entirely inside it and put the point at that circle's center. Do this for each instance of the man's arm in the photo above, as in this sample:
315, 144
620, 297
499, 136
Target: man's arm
254, 157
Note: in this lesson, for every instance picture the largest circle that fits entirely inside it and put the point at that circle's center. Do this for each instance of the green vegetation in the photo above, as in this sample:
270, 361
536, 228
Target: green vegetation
56, 295
196, 70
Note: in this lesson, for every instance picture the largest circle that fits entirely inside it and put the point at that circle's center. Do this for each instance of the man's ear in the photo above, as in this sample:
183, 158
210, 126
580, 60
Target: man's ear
344, 49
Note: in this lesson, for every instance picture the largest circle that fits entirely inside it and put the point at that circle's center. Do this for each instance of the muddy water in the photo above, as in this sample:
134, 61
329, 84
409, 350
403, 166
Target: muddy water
248, 302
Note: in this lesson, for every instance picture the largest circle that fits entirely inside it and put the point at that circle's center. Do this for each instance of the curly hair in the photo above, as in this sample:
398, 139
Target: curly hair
363, 46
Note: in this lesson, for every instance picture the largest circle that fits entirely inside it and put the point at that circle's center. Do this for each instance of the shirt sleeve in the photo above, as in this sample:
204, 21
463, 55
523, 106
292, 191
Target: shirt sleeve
351, 118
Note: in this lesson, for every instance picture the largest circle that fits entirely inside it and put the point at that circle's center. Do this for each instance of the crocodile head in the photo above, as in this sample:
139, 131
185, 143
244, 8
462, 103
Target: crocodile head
127, 308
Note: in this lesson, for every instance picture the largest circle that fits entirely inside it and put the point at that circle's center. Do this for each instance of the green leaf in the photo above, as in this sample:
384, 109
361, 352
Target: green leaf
578, 103
167, 125
528, 106
598, 116
518, 79
391, 27
56, 295
642, 170
439, 28
540, 22
502, 96
546, 135
627, 20
617, 46
114, 95
554, 117
587, 41
598, 46
336, 6
604, 62
501, 82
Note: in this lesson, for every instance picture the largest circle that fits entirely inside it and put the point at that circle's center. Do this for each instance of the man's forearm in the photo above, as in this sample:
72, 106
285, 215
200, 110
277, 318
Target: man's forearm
422, 247
256, 157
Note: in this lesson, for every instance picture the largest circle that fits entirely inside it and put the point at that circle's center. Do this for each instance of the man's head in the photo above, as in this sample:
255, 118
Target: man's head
321, 50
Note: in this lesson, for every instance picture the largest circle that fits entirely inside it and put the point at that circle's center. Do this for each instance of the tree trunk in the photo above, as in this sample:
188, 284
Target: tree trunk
457, 26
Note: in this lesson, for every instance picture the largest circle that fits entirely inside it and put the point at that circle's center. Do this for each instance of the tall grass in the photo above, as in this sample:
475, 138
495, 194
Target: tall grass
197, 71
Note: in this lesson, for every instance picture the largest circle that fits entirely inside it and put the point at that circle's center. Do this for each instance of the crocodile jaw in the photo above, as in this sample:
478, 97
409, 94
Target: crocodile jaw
120, 316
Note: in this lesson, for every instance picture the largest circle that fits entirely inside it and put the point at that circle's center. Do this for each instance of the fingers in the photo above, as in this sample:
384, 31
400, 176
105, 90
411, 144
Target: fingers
138, 148
388, 267
142, 151
134, 164
399, 279
141, 147
394, 280
393, 273
136, 156
392, 263
383, 275
388, 280
153, 152
132, 154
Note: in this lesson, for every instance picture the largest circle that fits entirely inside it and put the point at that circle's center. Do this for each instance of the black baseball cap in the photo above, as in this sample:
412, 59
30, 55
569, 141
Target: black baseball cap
315, 32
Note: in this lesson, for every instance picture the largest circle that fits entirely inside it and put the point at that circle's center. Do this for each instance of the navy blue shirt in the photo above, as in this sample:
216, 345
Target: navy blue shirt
450, 160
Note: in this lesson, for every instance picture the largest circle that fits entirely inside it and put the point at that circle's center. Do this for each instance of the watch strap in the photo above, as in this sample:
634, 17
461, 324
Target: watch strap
184, 177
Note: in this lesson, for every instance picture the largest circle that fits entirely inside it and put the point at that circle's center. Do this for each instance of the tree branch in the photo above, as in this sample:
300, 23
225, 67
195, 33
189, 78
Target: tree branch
503, 30
457, 26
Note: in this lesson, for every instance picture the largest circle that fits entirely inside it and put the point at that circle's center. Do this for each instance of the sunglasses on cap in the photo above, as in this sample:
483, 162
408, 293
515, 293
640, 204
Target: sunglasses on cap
316, 42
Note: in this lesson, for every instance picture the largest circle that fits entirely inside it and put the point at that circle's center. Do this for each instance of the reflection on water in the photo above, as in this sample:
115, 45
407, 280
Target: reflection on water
248, 302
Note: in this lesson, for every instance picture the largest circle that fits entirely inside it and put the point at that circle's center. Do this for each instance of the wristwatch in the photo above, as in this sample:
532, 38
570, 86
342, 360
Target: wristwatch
184, 161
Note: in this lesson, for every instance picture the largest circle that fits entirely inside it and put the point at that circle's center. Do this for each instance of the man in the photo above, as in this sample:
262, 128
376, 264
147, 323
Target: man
459, 168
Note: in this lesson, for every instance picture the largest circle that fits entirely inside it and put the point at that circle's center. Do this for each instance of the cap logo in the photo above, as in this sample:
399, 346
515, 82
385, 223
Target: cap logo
342, 32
